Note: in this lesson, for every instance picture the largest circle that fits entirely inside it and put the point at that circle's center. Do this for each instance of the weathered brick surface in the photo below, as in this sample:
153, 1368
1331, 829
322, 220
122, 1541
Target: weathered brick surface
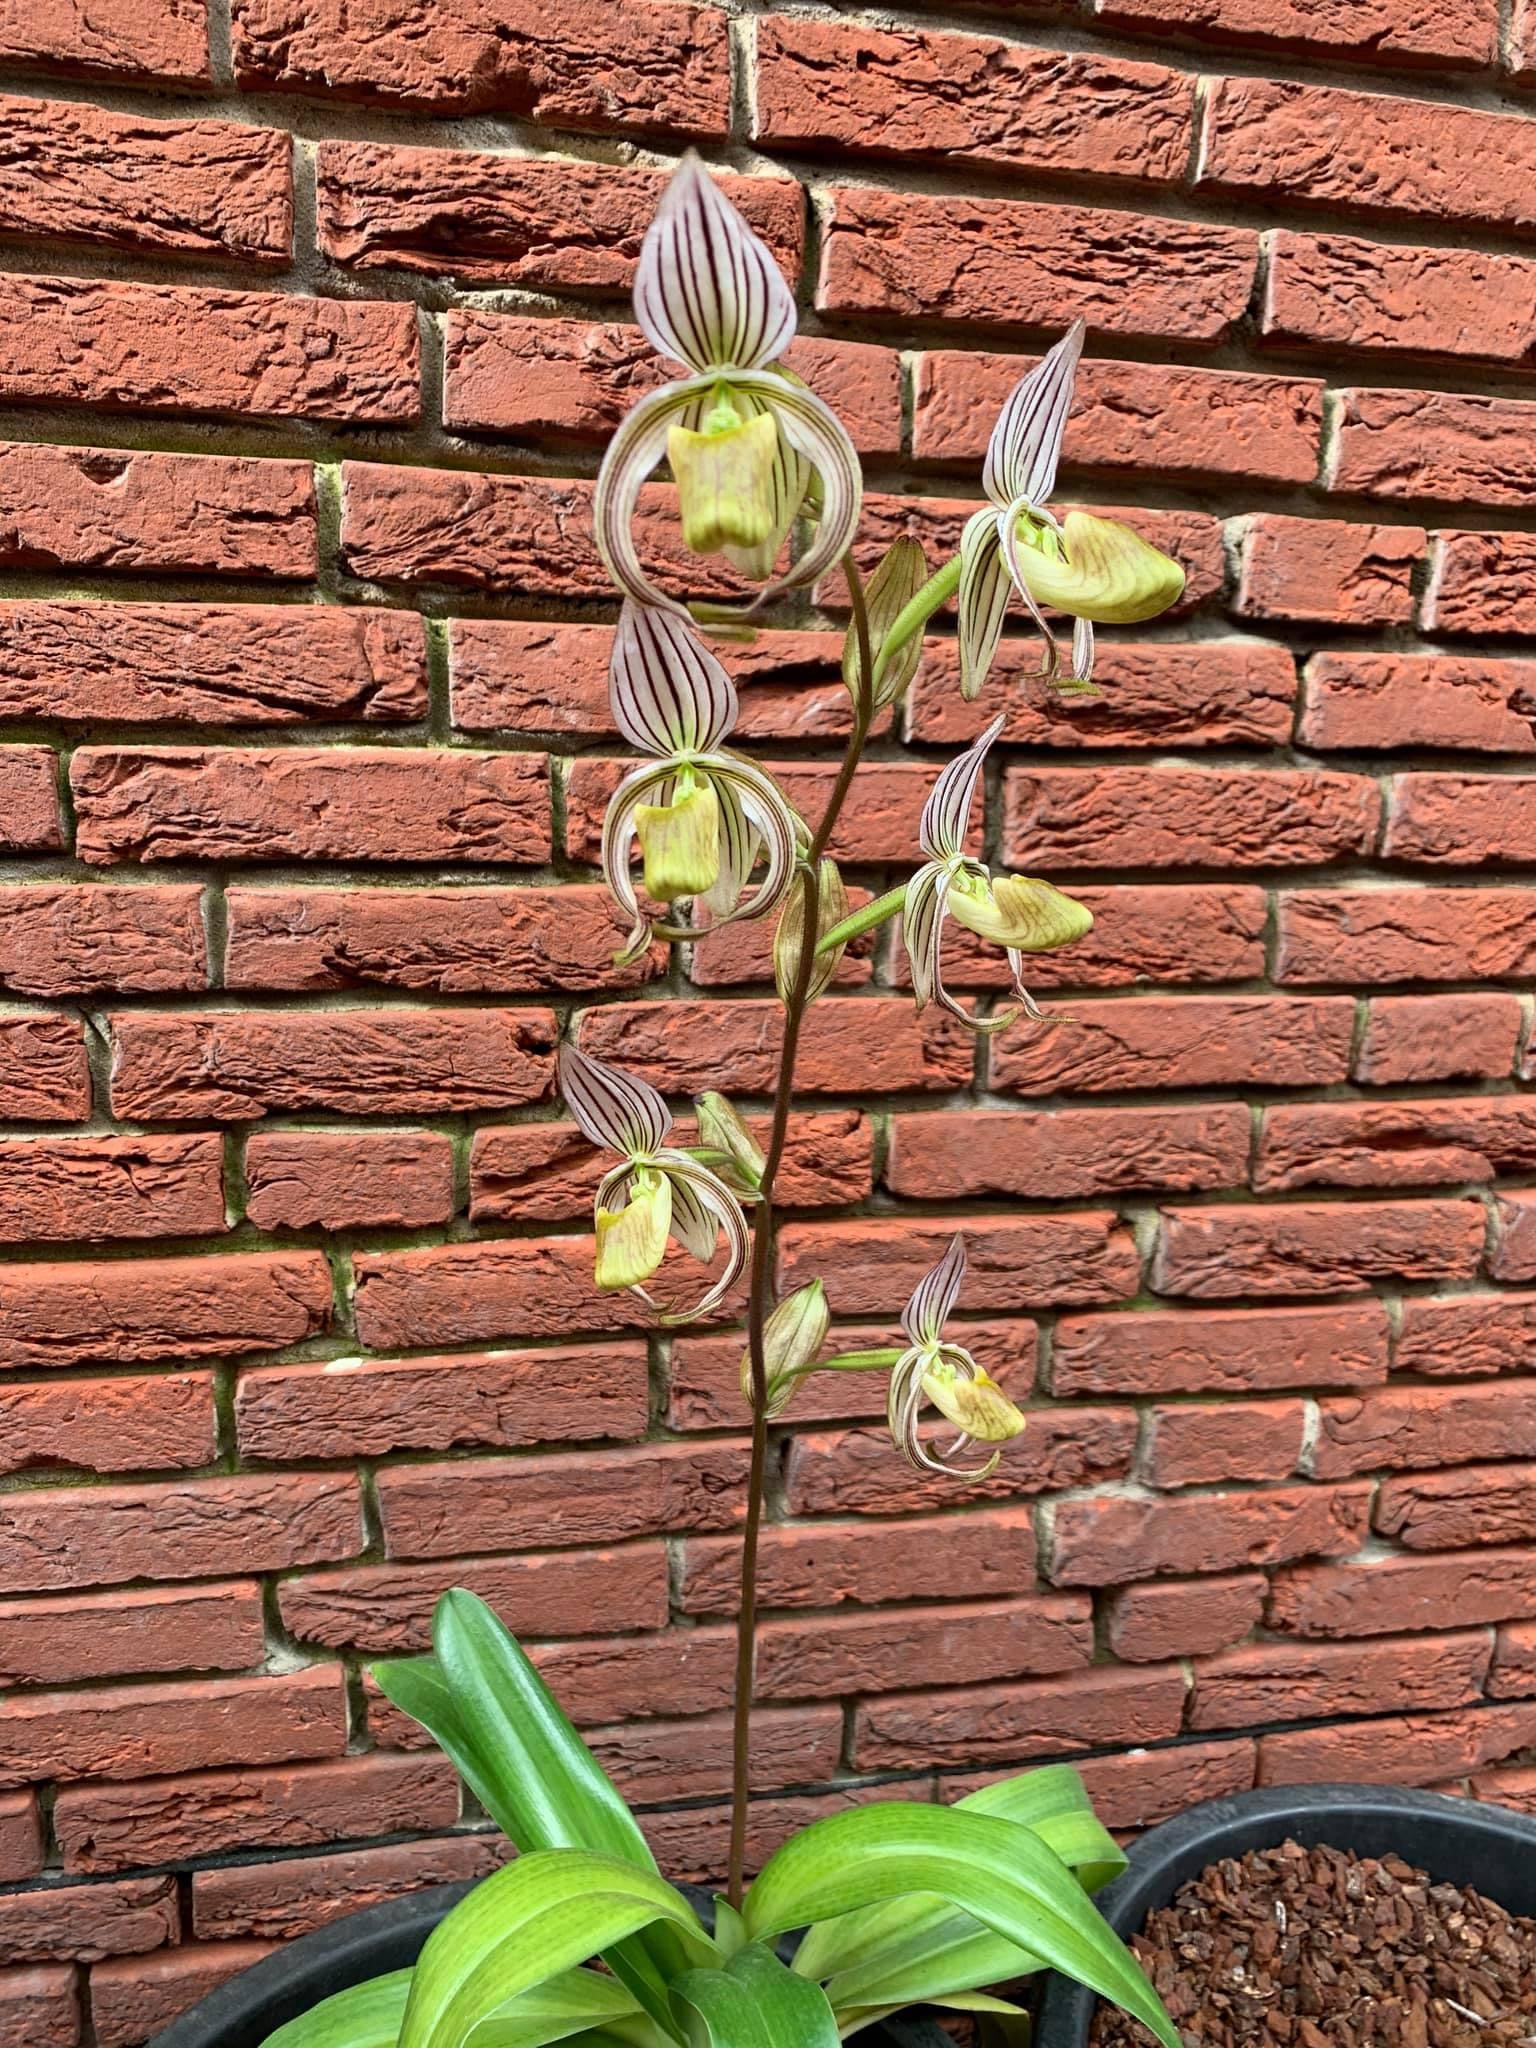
1325, 572
44, 1075
1392, 444
211, 1626
1446, 31
108, 1425
132, 1996
111, 1187
168, 43
1359, 701
1343, 291
1194, 1042
42, 2004
297, 1180
1340, 936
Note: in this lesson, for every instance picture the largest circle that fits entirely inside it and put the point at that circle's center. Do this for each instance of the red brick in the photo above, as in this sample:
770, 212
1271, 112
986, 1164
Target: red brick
21, 1838
115, 1425
53, 1188
1481, 583
235, 1065
196, 349
542, 1173
132, 1997
1219, 1351
1286, 1682
479, 1293
1204, 1445
348, 1180
1315, 1248
1463, 820
166, 45
1345, 936
1398, 444
1209, 693
1514, 1247
1167, 420
85, 1922
655, 1761
275, 1901
837, 1657
454, 941
52, 1539
1461, 1336
1403, 1749
1145, 1786
106, 1827
1514, 1662
1339, 291
1014, 1262
148, 804
388, 1607
77, 173
968, 99
1179, 1042
41, 2006
830, 1564
704, 1374
29, 791
661, 69
942, 1155
538, 222
362, 1407
68, 939
214, 1627
1009, 263
1326, 572
1184, 1618
1113, 1540
1515, 1788
44, 1075
1454, 31
1396, 1144
523, 378
1365, 152
1017, 1723
1365, 702
133, 1731
1382, 1596
691, 1045
129, 1312
143, 664
580, 1497
1452, 1510
119, 511
857, 1471
1439, 1038
1133, 817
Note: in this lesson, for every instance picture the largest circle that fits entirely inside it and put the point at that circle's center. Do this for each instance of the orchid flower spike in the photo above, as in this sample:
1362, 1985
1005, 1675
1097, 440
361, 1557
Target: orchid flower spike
702, 816
656, 1191
945, 1374
1019, 912
743, 439
1088, 567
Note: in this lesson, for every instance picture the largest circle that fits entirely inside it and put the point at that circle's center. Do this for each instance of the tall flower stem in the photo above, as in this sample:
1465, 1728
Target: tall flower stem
760, 1299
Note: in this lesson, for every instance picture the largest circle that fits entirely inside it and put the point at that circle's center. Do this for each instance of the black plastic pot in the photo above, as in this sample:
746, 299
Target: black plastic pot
241, 2013
1456, 1840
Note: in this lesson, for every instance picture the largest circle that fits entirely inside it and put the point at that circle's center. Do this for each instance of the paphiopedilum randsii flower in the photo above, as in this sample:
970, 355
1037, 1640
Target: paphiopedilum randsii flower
744, 440
656, 1192
933, 1370
702, 816
1018, 912
1092, 569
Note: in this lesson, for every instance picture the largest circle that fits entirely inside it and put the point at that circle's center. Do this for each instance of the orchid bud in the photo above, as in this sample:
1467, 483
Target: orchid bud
724, 476
792, 1336
898, 577
632, 1241
681, 843
1017, 911
727, 1145
1098, 570
831, 909
976, 1406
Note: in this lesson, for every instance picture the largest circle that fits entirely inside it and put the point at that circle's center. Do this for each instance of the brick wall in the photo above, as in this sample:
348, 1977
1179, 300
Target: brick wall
311, 324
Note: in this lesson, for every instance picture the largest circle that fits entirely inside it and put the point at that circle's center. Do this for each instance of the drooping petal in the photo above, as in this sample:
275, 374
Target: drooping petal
739, 848
1013, 527
697, 1189
707, 289
638, 444
767, 810
695, 1227
1082, 658
935, 1295
649, 779
668, 692
947, 812
1104, 571
816, 433
970, 1398
982, 600
614, 1109
922, 928
1020, 912
632, 1238
1026, 442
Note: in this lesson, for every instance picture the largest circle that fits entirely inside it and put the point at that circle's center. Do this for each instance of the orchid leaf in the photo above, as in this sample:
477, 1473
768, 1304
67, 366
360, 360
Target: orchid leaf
754, 2002
363, 2016
562, 2007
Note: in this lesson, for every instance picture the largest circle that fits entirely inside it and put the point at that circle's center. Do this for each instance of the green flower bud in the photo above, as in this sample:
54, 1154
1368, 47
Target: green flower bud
792, 1336
831, 909
727, 1145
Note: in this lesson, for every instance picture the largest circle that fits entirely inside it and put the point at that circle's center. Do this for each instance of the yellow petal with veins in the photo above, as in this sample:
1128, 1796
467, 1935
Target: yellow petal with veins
681, 844
632, 1241
978, 1406
1100, 570
725, 484
1018, 911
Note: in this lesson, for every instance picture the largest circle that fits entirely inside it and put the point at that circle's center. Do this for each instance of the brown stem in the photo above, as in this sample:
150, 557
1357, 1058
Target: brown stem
760, 1299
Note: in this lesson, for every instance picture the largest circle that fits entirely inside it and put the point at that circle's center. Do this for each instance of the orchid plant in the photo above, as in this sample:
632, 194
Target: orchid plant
580, 1939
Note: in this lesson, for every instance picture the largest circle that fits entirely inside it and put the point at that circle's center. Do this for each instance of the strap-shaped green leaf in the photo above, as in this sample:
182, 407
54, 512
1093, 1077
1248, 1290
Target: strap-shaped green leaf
573, 2004
533, 1920
1001, 1874
754, 2002
364, 2016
